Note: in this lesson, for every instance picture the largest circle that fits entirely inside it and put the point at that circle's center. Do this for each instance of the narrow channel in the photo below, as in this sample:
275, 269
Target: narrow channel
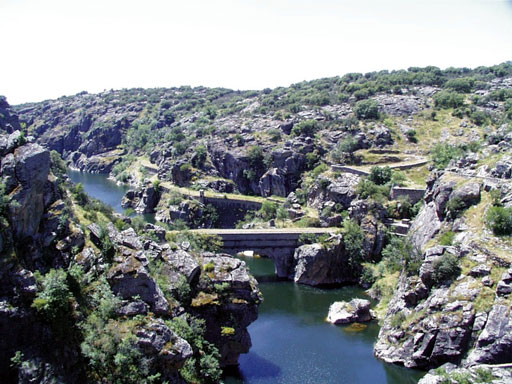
292, 343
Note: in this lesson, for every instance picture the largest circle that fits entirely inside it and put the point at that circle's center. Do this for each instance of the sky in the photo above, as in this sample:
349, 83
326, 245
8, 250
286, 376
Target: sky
53, 48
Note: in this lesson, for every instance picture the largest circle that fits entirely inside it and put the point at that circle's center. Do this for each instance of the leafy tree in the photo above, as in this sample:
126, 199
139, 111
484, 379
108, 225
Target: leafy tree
200, 156
268, 210
353, 240
448, 99
443, 153
464, 84
367, 110
305, 128
53, 299
445, 268
499, 219
400, 254
380, 175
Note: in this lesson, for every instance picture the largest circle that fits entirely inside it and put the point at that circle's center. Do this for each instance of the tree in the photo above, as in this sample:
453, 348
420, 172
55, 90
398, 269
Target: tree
448, 99
380, 175
305, 128
367, 110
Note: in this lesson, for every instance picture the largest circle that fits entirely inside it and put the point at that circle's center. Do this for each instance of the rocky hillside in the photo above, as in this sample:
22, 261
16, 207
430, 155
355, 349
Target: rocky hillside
87, 298
264, 141
413, 167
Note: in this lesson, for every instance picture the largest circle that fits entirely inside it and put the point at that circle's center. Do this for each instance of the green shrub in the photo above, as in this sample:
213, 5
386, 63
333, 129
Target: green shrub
447, 238
53, 298
443, 153
463, 84
353, 241
455, 207
79, 194
367, 110
448, 99
368, 189
204, 366
268, 210
380, 175
411, 136
499, 220
400, 253
446, 268
479, 117
305, 128
308, 222
200, 156
319, 169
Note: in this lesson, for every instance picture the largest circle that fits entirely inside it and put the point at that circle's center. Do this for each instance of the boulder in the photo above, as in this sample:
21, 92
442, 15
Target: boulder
31, 167
468, 194
130, 278
142, 201
314, 264
272, 183
494, 345
342, 312
167, 351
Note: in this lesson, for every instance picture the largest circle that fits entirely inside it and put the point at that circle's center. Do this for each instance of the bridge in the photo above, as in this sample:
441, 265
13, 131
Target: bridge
276, 244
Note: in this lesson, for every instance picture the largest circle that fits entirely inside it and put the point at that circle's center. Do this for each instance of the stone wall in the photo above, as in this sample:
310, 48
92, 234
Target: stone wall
413, 194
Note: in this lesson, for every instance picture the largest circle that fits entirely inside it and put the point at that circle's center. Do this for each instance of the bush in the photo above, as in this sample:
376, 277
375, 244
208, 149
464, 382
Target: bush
443, 153
53, 298
367, 110
455, 207
268, 210
199, 158
463, 84
411, 136
448, 99
479, 117
400, 253
446, 268
353, 240
204, 366
79, 194
305, 128
499, 219
380, 175
368, 189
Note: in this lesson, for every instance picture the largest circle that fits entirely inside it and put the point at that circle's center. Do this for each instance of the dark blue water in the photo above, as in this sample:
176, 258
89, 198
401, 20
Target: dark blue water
101, 188
292, 343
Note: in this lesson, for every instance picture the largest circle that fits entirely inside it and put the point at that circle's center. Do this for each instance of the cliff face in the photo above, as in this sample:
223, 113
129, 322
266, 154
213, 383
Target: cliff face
82, 300
456, 307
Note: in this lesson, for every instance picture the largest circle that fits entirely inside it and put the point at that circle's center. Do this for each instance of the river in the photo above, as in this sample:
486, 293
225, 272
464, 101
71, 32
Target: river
292, 342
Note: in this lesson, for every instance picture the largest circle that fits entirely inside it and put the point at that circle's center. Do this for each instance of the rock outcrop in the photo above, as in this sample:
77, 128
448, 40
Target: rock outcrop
437, 317
356, 310
143, 200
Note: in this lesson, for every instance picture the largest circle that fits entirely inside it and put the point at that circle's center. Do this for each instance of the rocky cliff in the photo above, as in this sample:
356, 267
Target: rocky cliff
83, 300
454, 306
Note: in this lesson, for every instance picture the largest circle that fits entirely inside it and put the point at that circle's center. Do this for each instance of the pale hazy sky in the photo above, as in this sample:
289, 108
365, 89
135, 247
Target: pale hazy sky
52, 48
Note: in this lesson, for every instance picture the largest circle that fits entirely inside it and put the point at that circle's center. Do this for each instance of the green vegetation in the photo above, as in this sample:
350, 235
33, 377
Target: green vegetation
305, 128
53, 299
446, 268
380, 175
367, 110
443, 153
400, 254
353, 240
204, 366
448, 99
499, 220
447, 238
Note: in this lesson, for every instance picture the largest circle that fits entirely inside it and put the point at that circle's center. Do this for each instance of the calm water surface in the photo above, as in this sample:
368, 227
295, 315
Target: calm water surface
292, 343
